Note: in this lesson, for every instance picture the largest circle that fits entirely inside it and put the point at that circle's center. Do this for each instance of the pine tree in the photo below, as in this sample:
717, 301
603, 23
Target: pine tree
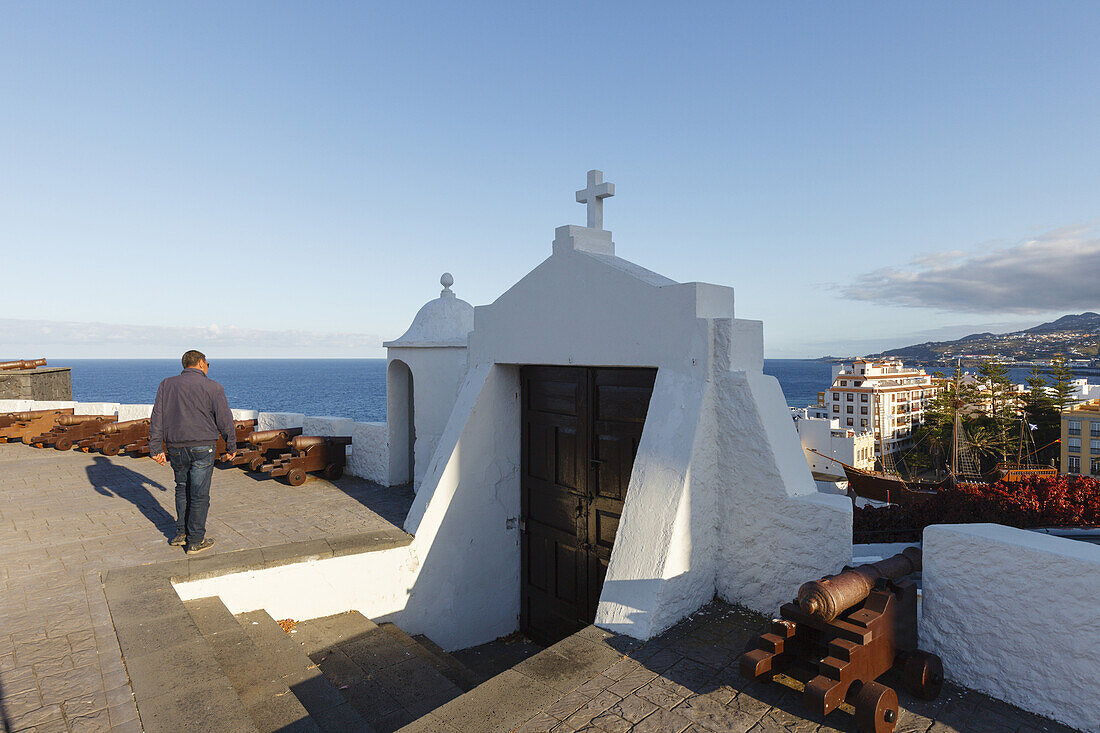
1061, 383
1041, 412
1000, 406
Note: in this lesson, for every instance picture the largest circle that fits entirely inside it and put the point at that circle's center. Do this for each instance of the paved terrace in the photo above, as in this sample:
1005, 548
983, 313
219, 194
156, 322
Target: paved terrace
65, 517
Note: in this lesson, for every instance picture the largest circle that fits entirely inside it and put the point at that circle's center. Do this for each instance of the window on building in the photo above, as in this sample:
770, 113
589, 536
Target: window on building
1074, 427
863, 411
836, 408
1074, 445
1094, 428
1094, 445
851, 397
863, 397
1074, 465
851, 410
863, 423
849, 421
843, 383
1095, 467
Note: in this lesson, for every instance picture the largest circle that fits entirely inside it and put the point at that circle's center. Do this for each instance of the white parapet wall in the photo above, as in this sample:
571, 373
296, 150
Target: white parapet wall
16, 405
279, 420
1014, 614
370, 455
341, 426
134, 412
239, 414
96, 408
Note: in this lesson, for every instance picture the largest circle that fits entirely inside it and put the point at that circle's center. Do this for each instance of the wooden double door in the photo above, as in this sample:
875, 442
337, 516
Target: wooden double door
581, 427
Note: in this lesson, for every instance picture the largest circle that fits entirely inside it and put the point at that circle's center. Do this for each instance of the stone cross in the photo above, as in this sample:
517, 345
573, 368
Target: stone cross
594, 195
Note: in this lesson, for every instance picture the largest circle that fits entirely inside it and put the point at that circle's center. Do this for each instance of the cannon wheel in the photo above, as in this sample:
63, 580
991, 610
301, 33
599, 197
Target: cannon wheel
255, 463
333, 471
64, 444
923, 674
110, 448
876, 708
296, 477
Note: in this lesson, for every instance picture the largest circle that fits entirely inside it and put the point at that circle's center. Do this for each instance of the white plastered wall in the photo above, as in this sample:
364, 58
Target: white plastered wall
1014, 614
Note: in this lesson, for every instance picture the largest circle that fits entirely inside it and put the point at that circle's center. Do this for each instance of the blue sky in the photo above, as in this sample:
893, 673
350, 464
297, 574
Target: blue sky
863, 174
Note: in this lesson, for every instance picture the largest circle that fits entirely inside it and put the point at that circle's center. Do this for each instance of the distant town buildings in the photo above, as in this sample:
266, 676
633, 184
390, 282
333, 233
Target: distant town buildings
1081, 439
883, 398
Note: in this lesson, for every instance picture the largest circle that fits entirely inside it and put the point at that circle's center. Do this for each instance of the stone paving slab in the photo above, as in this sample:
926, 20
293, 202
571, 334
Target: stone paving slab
685, 681
67, 517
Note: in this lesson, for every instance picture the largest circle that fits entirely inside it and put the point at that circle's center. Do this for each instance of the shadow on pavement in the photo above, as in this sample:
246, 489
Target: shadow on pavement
111, 479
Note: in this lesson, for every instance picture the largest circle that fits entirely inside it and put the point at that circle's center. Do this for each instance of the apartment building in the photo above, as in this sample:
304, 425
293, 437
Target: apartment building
884, 398
826, 444
1080, 447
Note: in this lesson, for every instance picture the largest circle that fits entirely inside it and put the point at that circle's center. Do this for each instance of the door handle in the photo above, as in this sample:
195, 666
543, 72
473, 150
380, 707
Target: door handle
595, 462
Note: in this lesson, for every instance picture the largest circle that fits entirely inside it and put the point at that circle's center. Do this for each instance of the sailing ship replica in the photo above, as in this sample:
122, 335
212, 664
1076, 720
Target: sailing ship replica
888, 485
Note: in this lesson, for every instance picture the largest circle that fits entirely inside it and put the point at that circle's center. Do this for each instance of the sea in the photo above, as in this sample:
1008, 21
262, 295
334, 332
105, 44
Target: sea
353, 388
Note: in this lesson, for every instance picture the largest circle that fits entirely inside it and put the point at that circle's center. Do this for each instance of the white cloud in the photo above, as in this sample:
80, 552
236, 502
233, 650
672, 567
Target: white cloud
1057, 271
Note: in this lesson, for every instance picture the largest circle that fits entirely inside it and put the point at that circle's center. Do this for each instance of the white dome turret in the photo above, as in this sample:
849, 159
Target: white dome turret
445, 321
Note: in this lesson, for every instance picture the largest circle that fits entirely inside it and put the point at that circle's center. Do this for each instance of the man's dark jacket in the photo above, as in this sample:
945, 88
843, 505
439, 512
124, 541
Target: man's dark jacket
190, 410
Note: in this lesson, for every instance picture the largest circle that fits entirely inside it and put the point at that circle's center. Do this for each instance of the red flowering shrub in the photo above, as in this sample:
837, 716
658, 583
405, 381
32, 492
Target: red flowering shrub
1065, 501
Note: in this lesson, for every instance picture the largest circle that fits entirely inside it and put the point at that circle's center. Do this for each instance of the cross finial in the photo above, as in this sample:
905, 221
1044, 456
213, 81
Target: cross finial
594, 195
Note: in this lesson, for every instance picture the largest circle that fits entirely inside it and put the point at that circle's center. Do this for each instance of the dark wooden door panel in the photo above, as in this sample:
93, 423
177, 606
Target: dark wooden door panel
581, 428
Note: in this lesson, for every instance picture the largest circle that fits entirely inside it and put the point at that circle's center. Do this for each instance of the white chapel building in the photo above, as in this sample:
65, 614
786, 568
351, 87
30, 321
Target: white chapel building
599, 444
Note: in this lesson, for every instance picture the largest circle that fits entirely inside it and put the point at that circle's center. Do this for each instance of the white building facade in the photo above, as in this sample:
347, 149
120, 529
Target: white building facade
884, 398
827, 445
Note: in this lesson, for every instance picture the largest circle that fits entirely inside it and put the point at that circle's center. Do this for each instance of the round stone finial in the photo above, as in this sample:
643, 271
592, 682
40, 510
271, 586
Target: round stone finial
447, 280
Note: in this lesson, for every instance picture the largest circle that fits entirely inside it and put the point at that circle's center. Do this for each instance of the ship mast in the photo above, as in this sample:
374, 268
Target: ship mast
955, 422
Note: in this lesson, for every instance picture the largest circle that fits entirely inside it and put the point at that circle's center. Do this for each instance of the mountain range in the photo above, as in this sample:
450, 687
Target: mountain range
1074, 336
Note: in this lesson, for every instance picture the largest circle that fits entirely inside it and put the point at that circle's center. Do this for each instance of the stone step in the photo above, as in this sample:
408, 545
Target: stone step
451, 668
265, 696
386, 676
287, 658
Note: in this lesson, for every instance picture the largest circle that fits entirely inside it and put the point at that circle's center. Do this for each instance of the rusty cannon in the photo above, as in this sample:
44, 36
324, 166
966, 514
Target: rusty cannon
842, 633
262, 442
327, 454
115, 436
21, 364
70, 429
241, 430
26, 425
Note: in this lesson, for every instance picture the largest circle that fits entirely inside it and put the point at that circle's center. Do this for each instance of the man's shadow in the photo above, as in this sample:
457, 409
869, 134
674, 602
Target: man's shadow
111, 479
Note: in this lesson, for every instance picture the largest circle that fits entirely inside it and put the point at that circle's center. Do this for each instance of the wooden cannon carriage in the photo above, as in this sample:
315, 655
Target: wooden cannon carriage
842, 633
242, 429
26, 425
114, 436
260, 443
327, 454
70, 429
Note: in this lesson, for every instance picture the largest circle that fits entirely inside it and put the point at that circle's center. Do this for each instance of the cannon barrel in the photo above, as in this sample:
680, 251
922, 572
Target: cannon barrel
31, 414
79, 419
22, 364
827, 598
304, 442
120, 426
263, 436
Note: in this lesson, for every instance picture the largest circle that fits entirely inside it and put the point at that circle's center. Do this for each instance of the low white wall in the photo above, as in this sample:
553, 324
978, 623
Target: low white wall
51, 404
239, 414
370, 455
134, 412
16, 405
279, 420
1014, 614
96, 408
377, 584
341, 426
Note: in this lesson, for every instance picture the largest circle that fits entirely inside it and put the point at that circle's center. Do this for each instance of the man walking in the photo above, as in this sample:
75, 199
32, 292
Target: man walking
190, 411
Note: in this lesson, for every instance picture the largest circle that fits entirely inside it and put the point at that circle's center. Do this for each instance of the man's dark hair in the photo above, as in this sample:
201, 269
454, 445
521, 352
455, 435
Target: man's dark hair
192, 358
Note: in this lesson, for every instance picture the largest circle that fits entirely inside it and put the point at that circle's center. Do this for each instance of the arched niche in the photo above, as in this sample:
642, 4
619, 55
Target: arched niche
400, 415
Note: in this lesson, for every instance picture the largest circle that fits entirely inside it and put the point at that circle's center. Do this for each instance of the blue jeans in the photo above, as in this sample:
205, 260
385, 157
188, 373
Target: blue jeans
194, 467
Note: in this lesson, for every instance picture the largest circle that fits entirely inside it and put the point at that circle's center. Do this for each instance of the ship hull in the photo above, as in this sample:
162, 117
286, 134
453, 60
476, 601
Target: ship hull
892, 489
